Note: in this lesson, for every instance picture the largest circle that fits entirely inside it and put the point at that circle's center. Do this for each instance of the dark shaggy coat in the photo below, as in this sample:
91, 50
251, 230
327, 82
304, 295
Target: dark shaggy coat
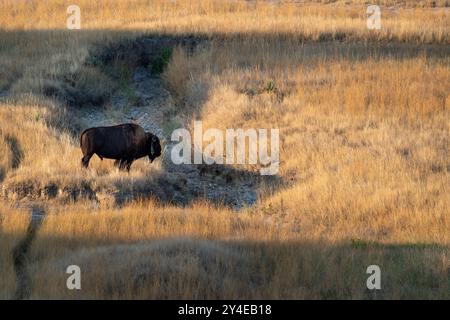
124, 143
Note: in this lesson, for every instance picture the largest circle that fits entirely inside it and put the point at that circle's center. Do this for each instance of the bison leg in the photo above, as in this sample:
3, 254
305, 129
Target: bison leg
123, 164
120, 163
85, 160
128, 164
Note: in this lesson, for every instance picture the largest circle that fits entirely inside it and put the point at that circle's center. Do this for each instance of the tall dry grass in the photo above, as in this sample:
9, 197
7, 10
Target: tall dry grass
364, 142
211, 17
364, 159
145, 251
362, 180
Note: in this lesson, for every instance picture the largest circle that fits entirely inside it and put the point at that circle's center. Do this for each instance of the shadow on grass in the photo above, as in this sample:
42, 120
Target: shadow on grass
192, 268
15, 151
20, 255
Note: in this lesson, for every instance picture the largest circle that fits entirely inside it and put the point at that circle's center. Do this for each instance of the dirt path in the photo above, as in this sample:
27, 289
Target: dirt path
209, 182
148, 114
20, 253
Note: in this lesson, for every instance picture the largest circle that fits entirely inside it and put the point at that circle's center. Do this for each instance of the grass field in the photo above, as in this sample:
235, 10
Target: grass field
364, 119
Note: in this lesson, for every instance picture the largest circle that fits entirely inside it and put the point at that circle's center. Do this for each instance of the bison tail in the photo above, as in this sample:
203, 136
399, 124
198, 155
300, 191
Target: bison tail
81, 138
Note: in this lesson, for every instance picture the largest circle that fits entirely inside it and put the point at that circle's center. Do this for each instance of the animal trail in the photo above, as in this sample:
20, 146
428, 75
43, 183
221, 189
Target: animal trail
20, 253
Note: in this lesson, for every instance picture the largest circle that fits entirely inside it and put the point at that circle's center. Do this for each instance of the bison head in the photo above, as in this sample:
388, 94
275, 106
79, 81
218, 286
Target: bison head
154, 150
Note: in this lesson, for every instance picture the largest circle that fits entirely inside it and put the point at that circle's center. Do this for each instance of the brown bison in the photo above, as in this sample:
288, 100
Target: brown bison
124, 143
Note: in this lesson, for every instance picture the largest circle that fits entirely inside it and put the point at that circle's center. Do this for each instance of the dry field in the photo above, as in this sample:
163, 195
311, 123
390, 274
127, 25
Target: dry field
364, 119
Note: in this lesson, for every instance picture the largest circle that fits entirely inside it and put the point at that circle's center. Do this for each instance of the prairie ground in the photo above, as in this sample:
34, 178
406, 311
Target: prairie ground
364, 179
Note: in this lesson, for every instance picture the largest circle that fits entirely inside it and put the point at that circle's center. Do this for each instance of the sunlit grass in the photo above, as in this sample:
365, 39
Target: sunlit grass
364, 127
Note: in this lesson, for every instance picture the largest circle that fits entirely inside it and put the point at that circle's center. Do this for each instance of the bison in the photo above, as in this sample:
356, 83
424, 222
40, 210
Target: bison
124, 143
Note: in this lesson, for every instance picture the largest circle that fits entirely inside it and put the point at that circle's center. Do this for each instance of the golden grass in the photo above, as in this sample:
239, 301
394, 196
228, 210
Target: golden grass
212, 17
364, 142
364, 127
